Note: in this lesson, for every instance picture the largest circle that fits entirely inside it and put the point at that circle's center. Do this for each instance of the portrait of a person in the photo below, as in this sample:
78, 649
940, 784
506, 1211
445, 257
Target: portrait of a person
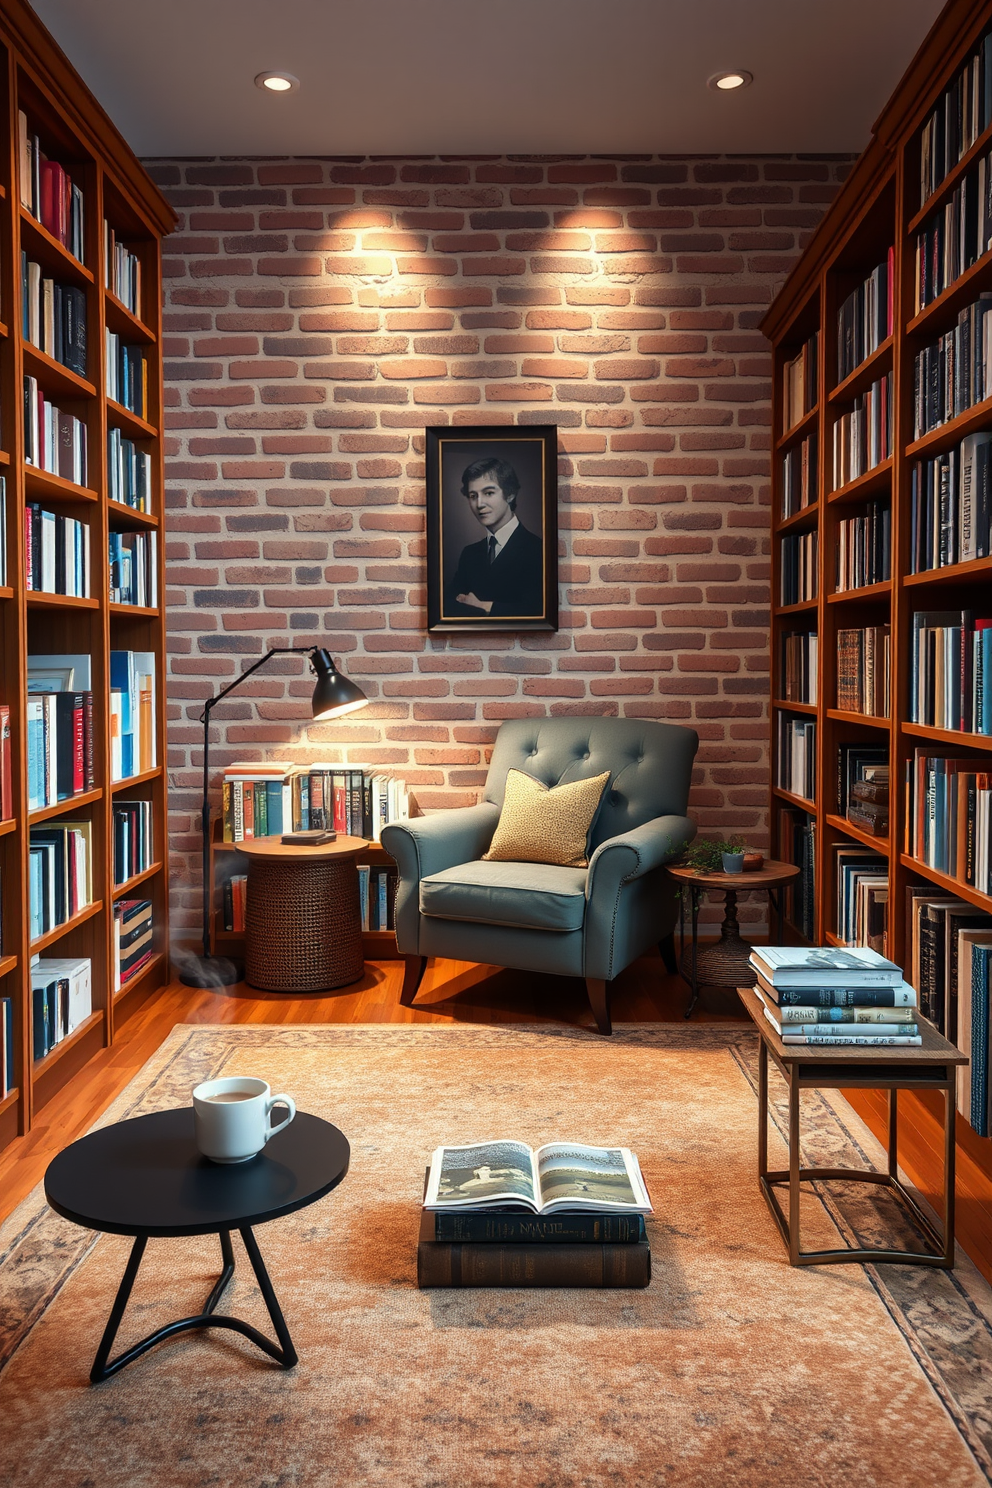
502, 573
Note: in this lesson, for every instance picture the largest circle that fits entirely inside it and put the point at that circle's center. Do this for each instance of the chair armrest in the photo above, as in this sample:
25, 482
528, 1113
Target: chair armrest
427, 844
631, 855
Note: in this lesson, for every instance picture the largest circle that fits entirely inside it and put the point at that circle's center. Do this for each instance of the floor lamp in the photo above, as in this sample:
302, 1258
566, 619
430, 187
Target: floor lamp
333, 695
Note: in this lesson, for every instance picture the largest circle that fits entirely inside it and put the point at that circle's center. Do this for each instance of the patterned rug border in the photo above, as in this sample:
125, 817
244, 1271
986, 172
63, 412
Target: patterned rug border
944, 1318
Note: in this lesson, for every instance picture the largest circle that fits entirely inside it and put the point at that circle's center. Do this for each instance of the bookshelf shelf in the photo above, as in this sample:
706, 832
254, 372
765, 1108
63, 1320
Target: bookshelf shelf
42, 942
805, 606
69, 124
133, 780
130, 423
53, 377
877, 208
10, 1100
146, 976
64, 1045
133, 612
788, 707
878, 478
864, 374
122, 890
800, 519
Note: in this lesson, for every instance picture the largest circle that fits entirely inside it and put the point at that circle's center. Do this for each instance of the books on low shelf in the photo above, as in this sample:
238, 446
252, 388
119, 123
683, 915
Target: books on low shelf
234, 894
127, 375
973, 1023
265, 799
133, 720
129, 472
61, 999
840, 985
48, 191
377, 897
122, 270
57, 553
864, 548
951, 506
862, 879
950, 683
799, 383
863, 670
134, 568
54, 441
60, 873
862, 437
60, 729
502, 1214
132, 939
797, 844
935, 921
54, 316
864, 319
798, 567
8, 1078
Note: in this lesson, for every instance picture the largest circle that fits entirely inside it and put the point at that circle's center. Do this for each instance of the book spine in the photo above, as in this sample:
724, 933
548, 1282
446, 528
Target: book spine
558, 1229
611, 1266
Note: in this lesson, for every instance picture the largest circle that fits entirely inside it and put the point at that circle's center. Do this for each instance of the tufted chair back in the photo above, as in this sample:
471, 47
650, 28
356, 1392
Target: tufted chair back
650, 764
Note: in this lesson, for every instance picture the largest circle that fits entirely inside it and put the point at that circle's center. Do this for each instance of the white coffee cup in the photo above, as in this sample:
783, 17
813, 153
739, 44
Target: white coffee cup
232, 1117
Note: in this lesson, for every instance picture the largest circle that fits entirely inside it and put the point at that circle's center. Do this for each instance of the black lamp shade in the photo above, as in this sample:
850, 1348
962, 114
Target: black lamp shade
333, 694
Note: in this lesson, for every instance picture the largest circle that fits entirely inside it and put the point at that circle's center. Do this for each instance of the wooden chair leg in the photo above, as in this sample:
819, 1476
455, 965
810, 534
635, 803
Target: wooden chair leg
667, 949
599, 998
413, 974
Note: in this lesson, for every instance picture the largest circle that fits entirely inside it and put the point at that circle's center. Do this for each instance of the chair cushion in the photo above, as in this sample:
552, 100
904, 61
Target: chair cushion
542, 825
530, 896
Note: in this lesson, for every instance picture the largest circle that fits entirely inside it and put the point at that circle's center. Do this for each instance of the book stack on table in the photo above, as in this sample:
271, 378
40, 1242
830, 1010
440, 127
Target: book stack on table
499, 1214
825, 995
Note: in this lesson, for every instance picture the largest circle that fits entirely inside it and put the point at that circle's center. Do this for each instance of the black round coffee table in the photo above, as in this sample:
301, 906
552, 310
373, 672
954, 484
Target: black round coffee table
146, 1178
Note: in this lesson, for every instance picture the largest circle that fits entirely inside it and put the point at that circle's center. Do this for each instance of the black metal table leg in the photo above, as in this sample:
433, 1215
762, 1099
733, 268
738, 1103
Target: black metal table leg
283, 1352
694, 948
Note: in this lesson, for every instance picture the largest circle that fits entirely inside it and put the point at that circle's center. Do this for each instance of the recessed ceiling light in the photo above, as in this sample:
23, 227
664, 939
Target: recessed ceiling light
277, 82
726, 82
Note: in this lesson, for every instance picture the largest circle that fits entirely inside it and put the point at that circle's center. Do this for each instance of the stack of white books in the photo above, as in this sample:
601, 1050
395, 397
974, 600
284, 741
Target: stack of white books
824, 995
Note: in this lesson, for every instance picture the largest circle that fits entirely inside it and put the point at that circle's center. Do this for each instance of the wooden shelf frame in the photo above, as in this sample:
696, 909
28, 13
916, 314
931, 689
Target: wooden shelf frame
35, 76
879, 206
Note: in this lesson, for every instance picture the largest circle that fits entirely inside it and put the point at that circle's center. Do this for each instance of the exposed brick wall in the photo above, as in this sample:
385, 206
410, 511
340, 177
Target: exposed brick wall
319, 313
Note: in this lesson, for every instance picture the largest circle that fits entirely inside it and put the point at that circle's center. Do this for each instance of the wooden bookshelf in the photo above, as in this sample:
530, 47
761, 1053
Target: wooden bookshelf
36, 77
878, 207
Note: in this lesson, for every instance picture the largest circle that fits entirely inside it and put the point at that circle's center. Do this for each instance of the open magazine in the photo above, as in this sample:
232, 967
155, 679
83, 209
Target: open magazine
560, 1175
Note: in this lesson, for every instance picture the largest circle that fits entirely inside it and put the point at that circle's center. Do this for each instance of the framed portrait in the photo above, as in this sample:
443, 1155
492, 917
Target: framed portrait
492, 528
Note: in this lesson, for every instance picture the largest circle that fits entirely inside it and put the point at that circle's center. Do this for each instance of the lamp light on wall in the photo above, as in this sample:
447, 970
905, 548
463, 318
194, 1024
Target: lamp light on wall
333, 696
728, 82
277, 82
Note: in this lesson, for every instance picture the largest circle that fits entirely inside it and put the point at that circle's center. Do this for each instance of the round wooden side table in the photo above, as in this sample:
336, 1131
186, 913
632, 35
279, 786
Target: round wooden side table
726, 963
303, 928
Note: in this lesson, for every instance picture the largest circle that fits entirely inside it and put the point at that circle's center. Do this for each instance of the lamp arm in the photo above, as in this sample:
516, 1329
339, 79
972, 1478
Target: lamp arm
276, 651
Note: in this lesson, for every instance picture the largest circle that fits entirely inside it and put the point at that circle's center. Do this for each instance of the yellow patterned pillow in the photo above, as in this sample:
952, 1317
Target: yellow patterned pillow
538, 825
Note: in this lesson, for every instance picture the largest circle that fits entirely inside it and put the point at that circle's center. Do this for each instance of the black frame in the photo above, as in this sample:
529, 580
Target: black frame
464, 444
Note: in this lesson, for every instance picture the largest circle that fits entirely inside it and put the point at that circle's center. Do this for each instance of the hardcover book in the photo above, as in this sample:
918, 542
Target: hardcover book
559, 1175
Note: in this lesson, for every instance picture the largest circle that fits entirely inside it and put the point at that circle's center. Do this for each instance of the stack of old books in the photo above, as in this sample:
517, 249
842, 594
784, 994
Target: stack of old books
825, 995
500, 1214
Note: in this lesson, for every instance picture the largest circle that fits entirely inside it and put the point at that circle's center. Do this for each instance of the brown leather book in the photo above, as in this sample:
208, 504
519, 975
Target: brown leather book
545, 1265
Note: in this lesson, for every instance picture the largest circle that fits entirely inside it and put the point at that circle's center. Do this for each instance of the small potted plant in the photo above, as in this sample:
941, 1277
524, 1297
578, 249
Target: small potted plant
706, 855
732, 855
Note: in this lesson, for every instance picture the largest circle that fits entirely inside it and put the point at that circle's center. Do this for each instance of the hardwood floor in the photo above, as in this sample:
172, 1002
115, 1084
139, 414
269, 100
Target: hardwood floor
452, 991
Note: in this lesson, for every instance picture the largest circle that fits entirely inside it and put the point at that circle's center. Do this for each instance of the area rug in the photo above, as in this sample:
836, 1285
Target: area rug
730, 1369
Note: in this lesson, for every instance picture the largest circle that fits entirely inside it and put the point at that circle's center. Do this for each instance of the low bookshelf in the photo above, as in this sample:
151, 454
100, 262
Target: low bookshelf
880, 563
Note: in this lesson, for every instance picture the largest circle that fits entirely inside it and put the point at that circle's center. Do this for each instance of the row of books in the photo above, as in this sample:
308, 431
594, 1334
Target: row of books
799, 666
799, 476
949, 816
377, 897
6, 768
864, 670
864, 548
60, 742
133, 942
868, 805
954, 373
127, 375
833, 995
60, 875
962, 114
862, 879
950, 680
863, 437
53, 440
951, 506
865, 318
57, 553
122, 270
134, 836
795, 759
797, 844
955, 237
234, 891
799, 567
133, 713
799, 383
951, 949
134, 568
265, 799
53, 316
48, 191
129, 472
61, 999
8, 1076
858, 765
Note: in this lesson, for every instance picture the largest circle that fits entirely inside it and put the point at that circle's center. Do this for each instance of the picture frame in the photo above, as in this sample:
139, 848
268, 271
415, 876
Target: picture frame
492, 527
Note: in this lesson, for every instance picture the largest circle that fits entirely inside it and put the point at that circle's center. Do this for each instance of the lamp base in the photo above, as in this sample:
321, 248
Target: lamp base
209, 971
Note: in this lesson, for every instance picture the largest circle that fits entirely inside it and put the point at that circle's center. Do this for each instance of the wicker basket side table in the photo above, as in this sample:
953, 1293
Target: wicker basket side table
303, 929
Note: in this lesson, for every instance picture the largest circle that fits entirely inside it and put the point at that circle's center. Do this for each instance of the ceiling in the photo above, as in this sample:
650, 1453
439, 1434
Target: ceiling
417, 77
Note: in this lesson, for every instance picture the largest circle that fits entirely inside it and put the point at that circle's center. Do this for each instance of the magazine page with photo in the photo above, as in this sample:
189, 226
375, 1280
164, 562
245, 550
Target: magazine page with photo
561, 1175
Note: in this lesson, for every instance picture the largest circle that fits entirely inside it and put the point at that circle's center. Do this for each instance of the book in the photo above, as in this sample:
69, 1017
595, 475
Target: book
563, 1227
824, 966
559, 1175
793, 1014
798, 567
901, 996
523, 1265
862, 438
314, 837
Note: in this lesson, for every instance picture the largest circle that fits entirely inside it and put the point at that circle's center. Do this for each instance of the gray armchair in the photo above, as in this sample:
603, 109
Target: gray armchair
588, 922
